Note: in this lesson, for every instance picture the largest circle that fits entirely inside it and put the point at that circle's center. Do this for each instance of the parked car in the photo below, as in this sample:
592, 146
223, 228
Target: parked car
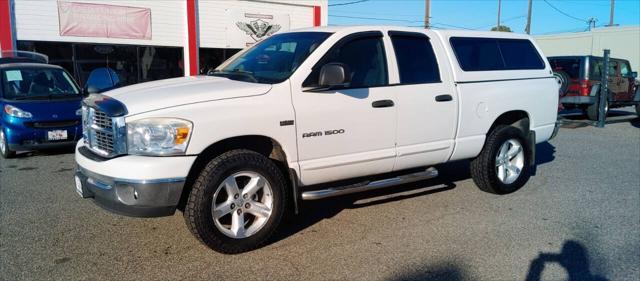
312, 114
580, 78
40, 105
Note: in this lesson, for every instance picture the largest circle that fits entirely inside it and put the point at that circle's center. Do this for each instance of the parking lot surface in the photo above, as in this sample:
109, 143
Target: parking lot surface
578, 217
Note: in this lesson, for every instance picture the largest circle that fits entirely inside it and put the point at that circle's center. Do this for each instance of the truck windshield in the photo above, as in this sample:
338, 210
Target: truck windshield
37, 83
273, 60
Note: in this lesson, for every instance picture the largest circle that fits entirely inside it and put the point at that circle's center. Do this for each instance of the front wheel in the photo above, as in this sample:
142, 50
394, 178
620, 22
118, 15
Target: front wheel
237, 202
4, 147
503, 164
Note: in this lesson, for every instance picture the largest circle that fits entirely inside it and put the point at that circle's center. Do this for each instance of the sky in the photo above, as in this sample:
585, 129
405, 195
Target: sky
568, 15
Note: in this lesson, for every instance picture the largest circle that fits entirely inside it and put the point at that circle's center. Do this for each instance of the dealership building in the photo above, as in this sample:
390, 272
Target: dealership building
144, 40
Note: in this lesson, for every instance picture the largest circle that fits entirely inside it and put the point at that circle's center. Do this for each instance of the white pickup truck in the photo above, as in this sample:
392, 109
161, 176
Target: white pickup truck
316, 113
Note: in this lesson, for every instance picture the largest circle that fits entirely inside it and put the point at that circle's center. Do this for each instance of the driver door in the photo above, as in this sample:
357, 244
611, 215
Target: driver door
347, 132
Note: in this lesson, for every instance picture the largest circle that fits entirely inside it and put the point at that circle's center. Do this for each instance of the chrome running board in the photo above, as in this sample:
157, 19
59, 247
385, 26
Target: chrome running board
369, 185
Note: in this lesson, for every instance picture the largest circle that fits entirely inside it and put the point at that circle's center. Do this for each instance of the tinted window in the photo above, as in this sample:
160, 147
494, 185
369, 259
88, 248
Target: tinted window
416, 61
477, 54
365, 58
483, 54
519, 54
571, 66
595, 69
625, 70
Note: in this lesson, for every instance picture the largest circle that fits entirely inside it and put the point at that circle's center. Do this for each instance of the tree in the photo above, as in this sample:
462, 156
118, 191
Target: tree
502, 28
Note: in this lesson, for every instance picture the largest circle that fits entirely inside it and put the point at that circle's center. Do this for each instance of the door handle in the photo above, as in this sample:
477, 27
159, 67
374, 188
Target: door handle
382, 103
443, 98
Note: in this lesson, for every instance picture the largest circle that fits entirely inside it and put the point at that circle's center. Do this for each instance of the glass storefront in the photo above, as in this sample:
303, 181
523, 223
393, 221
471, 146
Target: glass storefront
210, 58
133, 64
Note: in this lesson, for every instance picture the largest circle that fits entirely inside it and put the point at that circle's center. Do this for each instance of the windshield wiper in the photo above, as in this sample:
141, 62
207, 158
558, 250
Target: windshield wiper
236, 71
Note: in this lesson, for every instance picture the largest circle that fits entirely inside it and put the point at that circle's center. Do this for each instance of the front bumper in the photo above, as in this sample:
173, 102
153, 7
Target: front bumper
134, 198
27, 138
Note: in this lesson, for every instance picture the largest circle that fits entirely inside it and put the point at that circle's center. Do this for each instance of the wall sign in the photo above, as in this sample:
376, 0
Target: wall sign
108, 21
244, 29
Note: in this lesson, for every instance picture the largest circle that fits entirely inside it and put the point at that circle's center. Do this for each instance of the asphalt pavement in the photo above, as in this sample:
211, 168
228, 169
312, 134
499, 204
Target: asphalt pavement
578, 218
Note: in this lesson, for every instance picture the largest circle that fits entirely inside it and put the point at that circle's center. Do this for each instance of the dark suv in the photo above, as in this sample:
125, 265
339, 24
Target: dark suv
580, 78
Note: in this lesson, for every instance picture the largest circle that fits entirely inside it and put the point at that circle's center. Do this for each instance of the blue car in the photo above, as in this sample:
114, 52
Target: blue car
40, 106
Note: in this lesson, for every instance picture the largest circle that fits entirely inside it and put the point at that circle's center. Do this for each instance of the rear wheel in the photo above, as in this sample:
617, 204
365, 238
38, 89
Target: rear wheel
638, 109
4, 147
592, 110
503, 164
563, 81
237, 202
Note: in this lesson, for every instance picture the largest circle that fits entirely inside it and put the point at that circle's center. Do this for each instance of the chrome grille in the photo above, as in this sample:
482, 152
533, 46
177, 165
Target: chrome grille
103, 134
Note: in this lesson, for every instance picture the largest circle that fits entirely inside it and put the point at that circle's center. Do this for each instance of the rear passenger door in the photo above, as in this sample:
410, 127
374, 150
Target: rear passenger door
426, 100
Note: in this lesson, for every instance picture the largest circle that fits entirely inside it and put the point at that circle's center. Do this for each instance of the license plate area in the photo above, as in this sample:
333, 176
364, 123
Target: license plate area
57, 135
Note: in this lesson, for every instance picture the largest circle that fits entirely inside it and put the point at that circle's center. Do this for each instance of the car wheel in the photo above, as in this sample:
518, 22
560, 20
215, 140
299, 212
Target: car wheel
237, 202
638, 110
563, 80
503, 164
4, 147
592, 110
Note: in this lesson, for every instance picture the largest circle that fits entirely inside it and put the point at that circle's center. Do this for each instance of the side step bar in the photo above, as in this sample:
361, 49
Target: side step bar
369, 185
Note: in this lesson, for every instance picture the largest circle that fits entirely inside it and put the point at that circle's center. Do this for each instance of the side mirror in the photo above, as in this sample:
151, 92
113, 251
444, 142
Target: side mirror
634, 74
91, 90
334, 75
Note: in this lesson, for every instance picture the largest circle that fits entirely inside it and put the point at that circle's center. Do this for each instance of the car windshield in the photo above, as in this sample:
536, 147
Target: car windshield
273, 60
37, 83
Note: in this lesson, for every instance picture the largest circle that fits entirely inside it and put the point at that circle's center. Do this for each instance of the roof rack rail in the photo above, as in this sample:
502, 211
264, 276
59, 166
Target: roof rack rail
22, 56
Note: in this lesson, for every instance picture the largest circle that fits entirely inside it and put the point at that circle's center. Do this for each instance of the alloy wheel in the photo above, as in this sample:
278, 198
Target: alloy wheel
509, 161
242, 204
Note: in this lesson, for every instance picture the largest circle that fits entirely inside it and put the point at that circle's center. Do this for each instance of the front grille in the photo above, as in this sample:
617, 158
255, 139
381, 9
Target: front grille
52, 124
102, 134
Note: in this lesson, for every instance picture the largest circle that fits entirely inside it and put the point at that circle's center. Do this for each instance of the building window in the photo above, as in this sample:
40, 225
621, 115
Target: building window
132, 64
210, 58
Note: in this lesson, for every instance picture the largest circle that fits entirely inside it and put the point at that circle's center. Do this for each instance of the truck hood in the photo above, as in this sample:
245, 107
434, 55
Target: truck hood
167, 93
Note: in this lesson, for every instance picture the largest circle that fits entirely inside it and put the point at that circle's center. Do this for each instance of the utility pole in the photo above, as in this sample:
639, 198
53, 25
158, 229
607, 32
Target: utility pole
427, 13
528, 28
498, 25
613, 2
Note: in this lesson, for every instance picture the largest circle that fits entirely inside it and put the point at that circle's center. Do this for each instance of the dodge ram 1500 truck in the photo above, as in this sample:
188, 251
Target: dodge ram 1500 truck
315, 113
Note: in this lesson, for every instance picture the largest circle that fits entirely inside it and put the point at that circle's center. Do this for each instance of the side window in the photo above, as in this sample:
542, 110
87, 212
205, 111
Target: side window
477, 54
624, 69
520, 54
366, 59
595, 66
417, 62
613, 68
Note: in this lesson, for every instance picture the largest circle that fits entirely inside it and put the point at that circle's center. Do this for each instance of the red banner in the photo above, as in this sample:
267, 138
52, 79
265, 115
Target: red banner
109, 21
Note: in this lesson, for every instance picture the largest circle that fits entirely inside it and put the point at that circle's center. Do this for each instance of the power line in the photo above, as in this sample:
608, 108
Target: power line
562, 12
348, 3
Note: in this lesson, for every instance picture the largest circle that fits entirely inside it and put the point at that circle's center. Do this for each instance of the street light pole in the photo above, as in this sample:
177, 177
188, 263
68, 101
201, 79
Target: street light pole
499, 6
427, 13
613, 2
528, 28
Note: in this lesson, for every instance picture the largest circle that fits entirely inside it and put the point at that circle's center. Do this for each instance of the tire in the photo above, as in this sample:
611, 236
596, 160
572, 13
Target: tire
5, 152
485, 169
638, 110
563, 81
218, 231
592, 110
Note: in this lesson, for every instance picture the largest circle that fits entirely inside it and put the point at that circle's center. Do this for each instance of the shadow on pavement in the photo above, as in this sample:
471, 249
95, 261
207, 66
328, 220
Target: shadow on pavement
446, 271
46, 152
573, 257
572, 119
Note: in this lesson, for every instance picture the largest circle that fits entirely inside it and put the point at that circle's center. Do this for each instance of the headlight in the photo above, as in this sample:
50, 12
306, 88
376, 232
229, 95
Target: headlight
16, 112
158, 136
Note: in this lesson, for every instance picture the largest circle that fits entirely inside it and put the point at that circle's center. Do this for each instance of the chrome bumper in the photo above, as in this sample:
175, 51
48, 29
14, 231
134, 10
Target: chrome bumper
134, 198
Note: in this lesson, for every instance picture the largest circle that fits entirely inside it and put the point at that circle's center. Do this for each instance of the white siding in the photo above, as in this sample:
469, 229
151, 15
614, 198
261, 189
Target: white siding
212, 16
38, 20
624, 43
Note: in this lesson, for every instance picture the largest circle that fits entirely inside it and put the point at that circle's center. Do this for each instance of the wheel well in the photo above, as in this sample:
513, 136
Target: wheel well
516, 118
266, 146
